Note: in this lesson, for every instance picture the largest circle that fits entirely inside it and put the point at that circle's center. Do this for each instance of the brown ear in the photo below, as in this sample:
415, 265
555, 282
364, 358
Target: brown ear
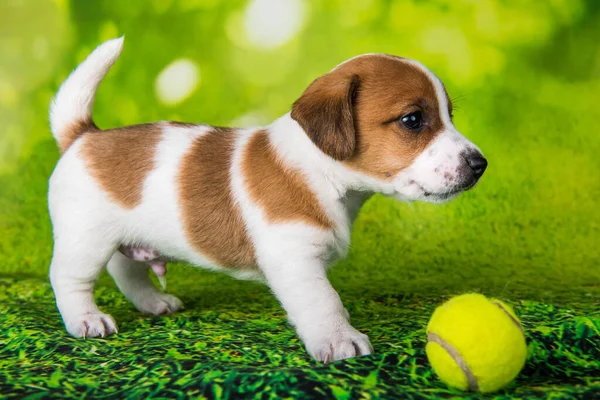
325, 112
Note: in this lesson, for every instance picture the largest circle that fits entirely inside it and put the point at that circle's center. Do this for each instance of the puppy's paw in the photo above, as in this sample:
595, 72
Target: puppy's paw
91, 325
338, 345
158, 304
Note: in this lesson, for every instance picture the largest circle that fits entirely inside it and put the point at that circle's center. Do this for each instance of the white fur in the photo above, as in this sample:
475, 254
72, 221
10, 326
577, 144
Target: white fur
293, 257
156, 222
132, 279
87, 230
434, 173
75, 98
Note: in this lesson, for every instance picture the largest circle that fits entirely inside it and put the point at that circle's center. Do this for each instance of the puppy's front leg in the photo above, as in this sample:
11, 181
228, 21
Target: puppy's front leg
315, 308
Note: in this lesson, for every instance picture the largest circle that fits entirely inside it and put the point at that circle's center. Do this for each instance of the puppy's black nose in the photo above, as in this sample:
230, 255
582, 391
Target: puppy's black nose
477, 163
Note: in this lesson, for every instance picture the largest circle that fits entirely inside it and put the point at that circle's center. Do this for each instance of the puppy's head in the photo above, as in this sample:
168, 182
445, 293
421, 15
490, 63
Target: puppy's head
391, 118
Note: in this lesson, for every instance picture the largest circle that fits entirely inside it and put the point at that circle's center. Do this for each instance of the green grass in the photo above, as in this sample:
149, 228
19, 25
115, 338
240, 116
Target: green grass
527, 234
232, 340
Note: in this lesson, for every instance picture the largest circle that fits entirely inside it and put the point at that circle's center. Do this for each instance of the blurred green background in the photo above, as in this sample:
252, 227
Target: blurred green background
524, 75
525, 79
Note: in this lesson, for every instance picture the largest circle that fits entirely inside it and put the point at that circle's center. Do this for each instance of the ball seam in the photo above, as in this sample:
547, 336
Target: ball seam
513, 319
458, 359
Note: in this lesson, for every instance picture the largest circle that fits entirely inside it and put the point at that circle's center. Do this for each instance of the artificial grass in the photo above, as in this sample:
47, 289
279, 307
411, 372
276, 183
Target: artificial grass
232, 341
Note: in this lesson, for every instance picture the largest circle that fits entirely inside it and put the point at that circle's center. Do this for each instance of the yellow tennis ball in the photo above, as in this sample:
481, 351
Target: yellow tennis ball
475, 343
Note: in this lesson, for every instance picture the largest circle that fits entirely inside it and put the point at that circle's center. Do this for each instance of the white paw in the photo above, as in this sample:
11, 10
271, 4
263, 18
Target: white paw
158, 304
346, 343
91, 325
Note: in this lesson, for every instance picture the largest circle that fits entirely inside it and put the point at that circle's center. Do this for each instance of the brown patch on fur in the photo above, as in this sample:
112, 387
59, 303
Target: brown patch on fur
282, 192
73, 132
212, 220
121, 159
179, 124
384, 89
324, 111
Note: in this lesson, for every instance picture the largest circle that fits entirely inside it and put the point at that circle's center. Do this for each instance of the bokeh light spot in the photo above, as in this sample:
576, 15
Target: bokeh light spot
177, 81
271, 23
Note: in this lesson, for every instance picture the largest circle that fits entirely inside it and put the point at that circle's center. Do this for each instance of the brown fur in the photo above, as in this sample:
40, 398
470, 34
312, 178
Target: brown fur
325, 112
387, 89
121, 159
73, 132
212, 220
179, 124
280, 191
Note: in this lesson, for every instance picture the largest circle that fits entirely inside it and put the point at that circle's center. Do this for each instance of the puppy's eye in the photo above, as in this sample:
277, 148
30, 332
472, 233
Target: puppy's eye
413, 121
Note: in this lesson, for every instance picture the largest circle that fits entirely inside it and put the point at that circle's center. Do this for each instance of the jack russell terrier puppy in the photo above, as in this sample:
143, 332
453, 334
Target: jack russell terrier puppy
274, 204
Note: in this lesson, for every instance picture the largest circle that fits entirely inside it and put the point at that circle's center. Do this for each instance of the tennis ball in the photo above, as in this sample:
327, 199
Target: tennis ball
475, 343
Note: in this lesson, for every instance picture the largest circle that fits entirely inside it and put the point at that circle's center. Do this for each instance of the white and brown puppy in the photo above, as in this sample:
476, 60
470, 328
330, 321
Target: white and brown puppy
274, 203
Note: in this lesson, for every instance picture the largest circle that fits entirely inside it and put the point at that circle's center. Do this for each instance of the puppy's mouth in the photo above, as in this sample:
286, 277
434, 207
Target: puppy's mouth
446, 194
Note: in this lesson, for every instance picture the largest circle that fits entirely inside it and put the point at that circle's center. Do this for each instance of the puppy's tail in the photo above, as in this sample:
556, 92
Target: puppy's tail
71, 109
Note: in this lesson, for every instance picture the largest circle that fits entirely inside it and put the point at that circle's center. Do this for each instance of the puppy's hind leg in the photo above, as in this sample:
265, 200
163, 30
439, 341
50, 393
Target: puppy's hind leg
77, 262
132, 279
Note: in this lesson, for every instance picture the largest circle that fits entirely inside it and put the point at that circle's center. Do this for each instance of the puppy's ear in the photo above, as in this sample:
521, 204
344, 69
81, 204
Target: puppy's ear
326, 112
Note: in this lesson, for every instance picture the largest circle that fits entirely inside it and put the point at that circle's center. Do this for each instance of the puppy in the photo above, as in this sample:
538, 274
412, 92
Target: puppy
274, 204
